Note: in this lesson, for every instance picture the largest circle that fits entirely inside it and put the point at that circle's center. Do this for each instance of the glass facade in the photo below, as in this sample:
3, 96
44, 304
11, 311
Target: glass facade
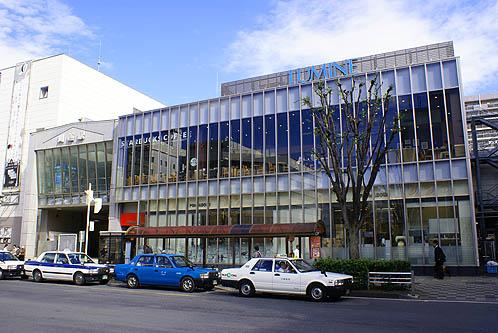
64, 173
246, 159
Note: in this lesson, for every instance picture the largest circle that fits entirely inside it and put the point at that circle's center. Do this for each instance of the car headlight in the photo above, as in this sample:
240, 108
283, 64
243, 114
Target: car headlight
205, 276
332, 282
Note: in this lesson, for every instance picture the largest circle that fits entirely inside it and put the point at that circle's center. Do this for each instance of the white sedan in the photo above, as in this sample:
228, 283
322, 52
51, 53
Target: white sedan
286, 276
10, 265
68, 266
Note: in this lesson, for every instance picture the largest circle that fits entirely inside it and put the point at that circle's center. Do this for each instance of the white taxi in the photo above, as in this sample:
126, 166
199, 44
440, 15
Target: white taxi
286, 276
68, 266
10, 266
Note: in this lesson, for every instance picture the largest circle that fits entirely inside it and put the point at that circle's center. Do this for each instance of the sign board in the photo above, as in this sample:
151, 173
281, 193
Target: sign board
316, 242
11, 176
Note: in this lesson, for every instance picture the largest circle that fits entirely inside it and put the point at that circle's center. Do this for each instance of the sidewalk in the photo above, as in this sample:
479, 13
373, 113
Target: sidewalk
457, 288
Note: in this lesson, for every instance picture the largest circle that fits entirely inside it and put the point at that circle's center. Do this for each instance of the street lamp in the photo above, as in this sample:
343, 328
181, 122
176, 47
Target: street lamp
96, 209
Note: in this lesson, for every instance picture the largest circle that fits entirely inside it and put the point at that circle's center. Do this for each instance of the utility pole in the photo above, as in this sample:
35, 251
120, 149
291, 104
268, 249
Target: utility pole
97, 208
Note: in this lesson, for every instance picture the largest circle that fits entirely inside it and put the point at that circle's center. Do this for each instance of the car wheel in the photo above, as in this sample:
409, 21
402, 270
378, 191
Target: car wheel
79, 279
103, 282
317, 293
187, 284
37, 276
132, 282
1, 274
246, 289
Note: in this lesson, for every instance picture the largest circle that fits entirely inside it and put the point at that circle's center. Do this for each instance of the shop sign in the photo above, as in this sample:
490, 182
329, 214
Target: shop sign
154, 138
320, 72
316, 242
11, 176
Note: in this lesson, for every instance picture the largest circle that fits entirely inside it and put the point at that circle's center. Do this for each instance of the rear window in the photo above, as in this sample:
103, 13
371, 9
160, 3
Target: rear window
263, 265
48, 257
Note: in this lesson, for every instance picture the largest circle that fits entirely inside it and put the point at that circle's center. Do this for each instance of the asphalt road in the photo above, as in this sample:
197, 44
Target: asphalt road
26, 306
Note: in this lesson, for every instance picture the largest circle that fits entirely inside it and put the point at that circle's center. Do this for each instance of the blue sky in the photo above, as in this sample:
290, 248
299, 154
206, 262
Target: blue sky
174, 51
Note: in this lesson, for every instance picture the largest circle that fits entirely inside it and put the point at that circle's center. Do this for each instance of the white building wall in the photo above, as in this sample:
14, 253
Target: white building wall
75, 91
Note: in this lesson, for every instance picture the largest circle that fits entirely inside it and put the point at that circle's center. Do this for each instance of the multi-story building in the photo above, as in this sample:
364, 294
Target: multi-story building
214, 178
39, 94
482, 122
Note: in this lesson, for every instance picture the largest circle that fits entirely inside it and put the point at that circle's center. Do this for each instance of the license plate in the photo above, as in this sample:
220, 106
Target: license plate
104, 277
215, 282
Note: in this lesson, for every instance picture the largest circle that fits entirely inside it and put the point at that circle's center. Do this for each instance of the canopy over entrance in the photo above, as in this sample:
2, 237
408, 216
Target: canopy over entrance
238, 230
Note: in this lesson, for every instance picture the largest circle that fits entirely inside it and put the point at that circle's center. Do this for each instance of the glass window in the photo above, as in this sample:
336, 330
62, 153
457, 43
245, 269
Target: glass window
270, 151
213, 150
246, 149
182, 153
450, 74
294, 99
263, 265
307, 128
164, 119
418, 78
225, 110
224, 149
269, 102
393, 154
442, 170
184, 115
66, 179
48, 258
203, 150
162, 261
282, 100
235, 108
423, 127
258, 160
439, 133
145, 261
235, 148
282, 143
403, 81
455, 123
214, 111
203, 113
192, 153
101, 166
83, 166
258, 104
247, 106
388, 81
407, 130
434, 76
459, 169
295, 141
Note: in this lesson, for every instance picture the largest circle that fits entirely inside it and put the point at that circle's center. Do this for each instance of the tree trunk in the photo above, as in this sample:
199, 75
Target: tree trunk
354, 243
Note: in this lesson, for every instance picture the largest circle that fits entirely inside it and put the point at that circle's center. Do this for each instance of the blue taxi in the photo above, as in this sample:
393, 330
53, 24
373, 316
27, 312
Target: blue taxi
170, 270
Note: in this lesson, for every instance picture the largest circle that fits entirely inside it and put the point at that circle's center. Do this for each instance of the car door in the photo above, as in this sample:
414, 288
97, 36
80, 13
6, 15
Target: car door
47, 265
261, 274
285, 277
61, 268
144, 269
164, 273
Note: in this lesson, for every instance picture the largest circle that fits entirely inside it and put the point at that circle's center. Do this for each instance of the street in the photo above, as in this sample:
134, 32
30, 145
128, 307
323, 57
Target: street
26, 306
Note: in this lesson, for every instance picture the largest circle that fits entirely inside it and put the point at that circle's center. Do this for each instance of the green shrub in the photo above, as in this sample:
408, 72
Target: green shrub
359, 268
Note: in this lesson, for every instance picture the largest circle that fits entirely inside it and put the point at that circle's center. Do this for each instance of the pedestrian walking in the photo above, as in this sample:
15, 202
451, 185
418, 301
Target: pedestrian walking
257, 253
147, 249
296, 252
440, 259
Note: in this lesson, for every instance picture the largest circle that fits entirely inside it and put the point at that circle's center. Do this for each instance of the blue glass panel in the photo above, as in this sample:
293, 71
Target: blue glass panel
282, 143
450, 74
459, 169
426, 172
224, 110
258, 160
294, 99
214, 111
282, 100
395, 174
270, 150
442, 170
224, 149
258, 104
247, 106
307, 128
418, 79
203, 114
283, 183
388, 81
235, 108
410, 173
295, 141
434, 79
269, 102
403, 81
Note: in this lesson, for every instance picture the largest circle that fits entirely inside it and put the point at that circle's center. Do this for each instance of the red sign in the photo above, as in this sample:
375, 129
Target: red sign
316, 242
130, 219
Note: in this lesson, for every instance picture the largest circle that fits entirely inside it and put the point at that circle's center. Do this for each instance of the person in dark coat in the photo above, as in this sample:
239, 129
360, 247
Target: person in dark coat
147, 249
439, 258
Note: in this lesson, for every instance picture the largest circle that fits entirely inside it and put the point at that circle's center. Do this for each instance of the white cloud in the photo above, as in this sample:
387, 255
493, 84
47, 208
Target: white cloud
304, 32
37, 28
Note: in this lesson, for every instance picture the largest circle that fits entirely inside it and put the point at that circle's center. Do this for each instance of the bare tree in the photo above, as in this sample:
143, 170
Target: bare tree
352, 142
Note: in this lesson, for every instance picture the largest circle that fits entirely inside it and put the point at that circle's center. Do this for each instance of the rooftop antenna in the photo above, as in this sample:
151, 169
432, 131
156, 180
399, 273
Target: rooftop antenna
99, 61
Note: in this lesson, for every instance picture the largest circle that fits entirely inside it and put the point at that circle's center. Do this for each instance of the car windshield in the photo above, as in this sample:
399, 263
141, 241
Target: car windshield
303, 266
8, 256
180, 261
79, 258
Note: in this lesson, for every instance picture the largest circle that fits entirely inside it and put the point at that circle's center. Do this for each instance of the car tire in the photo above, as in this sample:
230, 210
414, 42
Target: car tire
246, 289
187, 284
37, 276
132, 281
104, 282
1, 274
79, 279
317, 292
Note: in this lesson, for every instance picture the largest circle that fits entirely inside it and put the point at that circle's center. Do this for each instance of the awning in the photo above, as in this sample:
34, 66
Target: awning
238, 230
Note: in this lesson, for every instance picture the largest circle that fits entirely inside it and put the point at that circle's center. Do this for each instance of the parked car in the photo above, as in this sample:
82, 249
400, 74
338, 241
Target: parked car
171, 270
285, 276
66, 266
10, 265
